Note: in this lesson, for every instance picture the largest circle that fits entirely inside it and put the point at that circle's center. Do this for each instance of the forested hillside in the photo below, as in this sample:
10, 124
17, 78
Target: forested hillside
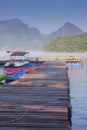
76, 43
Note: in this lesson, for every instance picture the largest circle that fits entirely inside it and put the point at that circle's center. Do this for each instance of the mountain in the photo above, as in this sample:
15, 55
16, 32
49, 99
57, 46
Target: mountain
67, 29
16, 34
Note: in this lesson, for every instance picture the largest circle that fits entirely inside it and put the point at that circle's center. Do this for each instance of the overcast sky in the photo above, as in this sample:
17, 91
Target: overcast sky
46, 15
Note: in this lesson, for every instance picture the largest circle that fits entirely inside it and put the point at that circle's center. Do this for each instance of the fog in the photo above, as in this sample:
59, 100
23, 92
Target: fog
49, 55
55, 55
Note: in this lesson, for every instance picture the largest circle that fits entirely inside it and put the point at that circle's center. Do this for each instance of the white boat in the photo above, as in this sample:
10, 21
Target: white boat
73, 62
18, 62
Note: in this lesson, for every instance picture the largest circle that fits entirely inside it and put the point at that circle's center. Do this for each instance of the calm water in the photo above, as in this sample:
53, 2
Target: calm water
78, 92
78, 87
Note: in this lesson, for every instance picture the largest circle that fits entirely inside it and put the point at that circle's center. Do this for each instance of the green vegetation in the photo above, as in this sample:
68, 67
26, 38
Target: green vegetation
76, 43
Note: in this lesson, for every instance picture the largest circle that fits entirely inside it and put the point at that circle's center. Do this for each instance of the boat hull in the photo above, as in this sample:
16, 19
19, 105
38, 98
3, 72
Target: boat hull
13, 69
27, 70
15, 76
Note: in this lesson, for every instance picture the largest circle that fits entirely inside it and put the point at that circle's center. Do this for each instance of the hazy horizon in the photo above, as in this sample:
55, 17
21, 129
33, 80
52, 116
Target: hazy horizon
46, 15
49, 55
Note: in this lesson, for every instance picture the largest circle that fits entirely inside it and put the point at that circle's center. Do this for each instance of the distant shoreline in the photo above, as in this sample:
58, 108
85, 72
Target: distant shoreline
4, 55
58, 55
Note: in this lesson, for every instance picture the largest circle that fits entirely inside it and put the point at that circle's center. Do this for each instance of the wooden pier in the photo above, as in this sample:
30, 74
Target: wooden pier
39, 100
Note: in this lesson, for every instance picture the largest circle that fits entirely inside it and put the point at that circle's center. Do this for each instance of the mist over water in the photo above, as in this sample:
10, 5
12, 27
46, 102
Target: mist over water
55, 55
5, 55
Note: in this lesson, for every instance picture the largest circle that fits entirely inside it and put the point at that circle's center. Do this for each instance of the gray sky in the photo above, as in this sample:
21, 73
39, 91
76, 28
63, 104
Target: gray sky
46, 15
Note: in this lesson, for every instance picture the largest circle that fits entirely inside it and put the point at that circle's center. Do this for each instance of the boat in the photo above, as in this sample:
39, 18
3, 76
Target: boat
3, 62
37, 60
3, 77
29, 69
15, 76
73, 62
12, 69
18, 62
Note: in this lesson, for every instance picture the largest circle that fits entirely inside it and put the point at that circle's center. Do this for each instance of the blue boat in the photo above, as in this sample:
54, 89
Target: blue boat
15, 76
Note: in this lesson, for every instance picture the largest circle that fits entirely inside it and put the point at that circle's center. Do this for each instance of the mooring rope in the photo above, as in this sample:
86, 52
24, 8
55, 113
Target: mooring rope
4, 123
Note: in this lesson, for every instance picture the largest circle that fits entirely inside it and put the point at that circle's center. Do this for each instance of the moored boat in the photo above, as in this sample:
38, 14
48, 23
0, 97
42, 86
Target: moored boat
3, 77
73, 62
29, 69
12, 69
15, 76
18, 62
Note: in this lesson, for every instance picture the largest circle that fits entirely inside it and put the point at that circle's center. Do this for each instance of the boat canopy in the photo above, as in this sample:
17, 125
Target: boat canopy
12, 51
19, 53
